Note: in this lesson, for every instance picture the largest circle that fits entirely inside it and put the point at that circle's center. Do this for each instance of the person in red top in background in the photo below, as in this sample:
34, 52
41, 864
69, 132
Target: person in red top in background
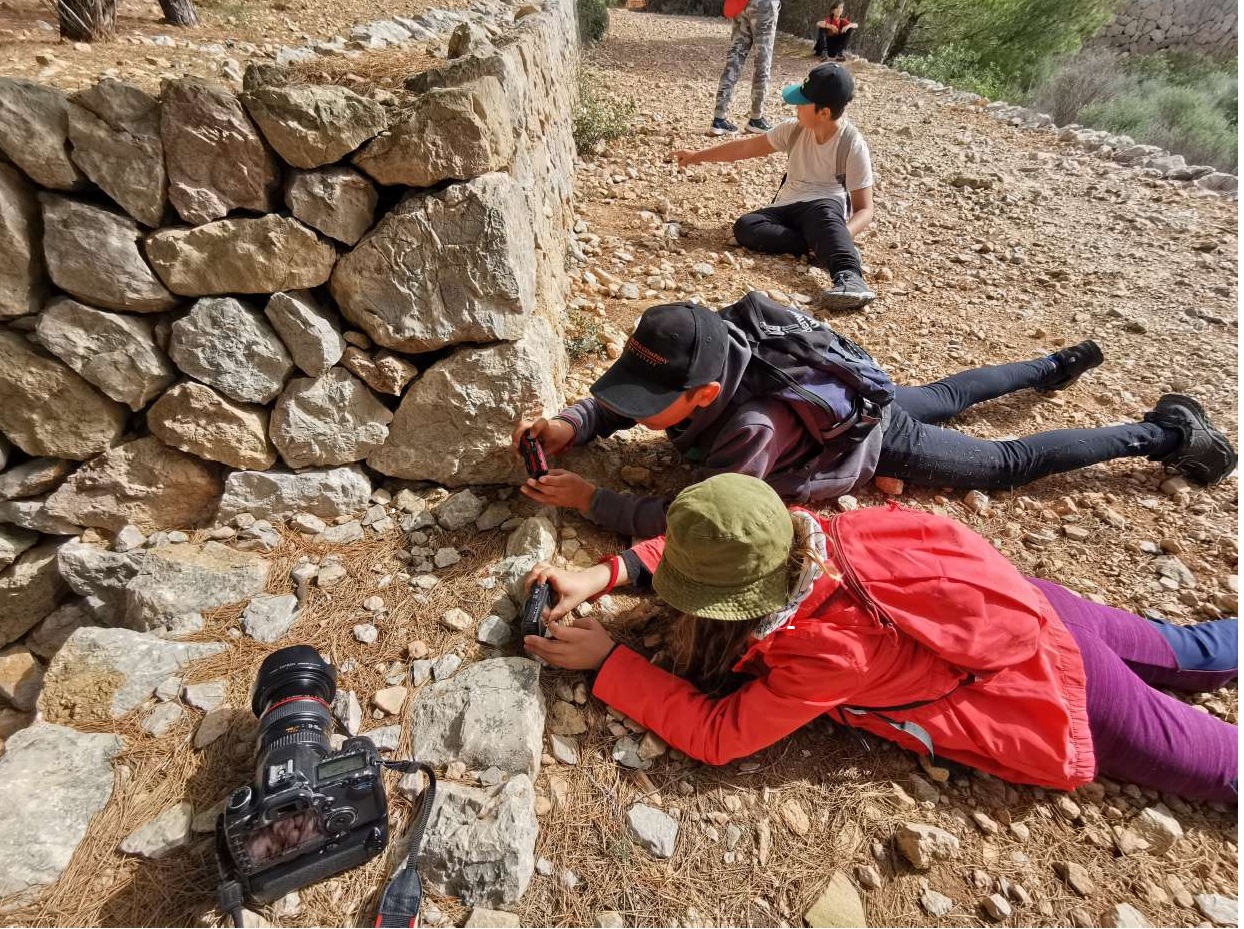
833, 34
861, 614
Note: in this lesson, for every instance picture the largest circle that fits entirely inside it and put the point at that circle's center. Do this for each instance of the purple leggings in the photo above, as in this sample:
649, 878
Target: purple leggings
1140, 734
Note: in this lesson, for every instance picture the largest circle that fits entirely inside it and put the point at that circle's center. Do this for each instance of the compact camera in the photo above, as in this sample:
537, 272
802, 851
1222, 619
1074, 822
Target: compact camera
539, 599
534, 459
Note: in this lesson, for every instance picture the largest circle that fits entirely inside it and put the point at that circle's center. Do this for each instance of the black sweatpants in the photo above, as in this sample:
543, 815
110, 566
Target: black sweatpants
832, 45
819, 226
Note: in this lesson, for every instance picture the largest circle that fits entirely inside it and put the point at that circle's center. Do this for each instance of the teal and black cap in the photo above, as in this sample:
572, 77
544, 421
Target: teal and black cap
828, 85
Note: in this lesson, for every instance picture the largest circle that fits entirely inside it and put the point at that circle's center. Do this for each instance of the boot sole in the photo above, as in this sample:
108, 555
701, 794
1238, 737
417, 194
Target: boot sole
831, 301
1220, 444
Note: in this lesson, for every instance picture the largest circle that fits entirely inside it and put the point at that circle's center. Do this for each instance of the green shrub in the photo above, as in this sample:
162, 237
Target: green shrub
1186, 120
960, 67
583, 337
593, 20
600, 115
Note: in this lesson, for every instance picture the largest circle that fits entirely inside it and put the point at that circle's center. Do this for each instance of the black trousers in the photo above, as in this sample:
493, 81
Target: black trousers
832, 45
916, 449
819, 226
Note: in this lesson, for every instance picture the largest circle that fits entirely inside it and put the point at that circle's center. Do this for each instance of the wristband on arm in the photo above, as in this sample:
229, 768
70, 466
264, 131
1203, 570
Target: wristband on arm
615, 564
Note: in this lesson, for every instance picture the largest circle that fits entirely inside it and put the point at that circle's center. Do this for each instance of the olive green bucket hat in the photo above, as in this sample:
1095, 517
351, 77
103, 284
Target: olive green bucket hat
727, 544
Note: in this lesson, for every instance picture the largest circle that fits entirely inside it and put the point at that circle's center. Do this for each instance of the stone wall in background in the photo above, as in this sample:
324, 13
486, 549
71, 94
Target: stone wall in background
279, 297
1141, 27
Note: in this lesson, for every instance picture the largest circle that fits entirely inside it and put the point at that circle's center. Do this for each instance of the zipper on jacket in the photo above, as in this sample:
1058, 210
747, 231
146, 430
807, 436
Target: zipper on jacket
854, 584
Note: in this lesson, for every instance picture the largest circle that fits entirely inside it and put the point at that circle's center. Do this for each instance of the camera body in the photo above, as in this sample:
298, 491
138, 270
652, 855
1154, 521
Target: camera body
310, 813
534, 459
539, 599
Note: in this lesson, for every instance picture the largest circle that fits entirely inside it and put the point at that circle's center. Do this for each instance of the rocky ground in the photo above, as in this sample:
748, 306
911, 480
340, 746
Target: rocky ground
992, 243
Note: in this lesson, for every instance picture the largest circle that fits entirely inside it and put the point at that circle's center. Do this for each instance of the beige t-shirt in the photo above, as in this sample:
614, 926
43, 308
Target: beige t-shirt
810, 171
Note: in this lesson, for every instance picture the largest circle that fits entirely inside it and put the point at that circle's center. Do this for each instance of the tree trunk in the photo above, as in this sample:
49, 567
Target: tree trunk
179, 12
87, 20
901, 38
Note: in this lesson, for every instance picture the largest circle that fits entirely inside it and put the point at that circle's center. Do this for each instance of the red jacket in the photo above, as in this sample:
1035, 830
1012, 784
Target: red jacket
1027, 723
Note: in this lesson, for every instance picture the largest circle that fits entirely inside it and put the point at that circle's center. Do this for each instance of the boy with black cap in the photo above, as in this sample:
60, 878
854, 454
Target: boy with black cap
683, 369
826, 198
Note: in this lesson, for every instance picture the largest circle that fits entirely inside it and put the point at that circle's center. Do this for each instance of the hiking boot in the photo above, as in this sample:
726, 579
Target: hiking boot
848, 293
759, 125
724, 127
1072, 362
1204, 455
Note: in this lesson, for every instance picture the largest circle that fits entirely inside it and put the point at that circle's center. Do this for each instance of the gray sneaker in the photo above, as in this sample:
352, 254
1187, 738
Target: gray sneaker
848, 293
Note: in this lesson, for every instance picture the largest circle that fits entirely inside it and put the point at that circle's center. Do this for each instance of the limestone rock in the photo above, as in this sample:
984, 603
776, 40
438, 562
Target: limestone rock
654, 829
13, 541
196, 419
258, 255
33, 132
340, 202
922, 844
216, 160
269, 616
101, 674
480, 843
115, 131
327, 493
1219, 909
450, 132
329, 420
30, 589
482, 918
310, 126
1127, 916
21, 246
441, 268
33, 477
178, 579
34, 779
467, 38
95, 572
459, 510
46, 638
309, 331
838, 905
229, 345
96, 255
21, 678
115, 352
453, 426
1155, 830
143, 482
385, 372
490, 714
47, 409
32, 514
534, 536
163, 835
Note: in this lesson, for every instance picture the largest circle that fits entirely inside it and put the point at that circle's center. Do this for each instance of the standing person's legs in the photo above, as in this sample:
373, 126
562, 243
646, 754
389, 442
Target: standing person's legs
941, 400
764, 25
741, 36
774, 229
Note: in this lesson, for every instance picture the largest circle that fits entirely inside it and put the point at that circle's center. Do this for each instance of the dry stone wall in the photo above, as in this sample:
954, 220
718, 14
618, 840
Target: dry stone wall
215, 303
1141, 27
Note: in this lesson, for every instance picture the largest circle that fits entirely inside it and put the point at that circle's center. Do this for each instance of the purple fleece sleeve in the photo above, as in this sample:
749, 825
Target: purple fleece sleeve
593, 421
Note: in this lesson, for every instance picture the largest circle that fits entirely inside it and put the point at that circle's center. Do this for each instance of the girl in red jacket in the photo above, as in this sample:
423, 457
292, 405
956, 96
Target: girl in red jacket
904, 624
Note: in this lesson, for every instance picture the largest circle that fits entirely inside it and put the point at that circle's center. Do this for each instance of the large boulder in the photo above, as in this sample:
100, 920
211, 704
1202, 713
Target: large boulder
30, 589
33, 132
449, 133
328, 420
326, 493
115, 131
48, 409
241, 256
95, 255
198, 420
454, 424
101, 674
117, 353
490, 714
21, 246
49, 768
99, 575
454, 266
310, 126
175, 580
217, 161
480, 843
339, 202
309, 331
45, 639
143, 482
13, 541
230, 346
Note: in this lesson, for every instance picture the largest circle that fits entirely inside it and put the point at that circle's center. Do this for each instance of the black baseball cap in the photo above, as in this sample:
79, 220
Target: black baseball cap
676, 346
828, 85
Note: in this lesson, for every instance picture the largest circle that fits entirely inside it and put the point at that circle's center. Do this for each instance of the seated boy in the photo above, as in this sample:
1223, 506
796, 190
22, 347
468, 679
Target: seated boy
682, 370
833, 34
826, 198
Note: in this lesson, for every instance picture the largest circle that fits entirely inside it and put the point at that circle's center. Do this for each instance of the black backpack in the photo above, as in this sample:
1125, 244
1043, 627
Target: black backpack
834, 386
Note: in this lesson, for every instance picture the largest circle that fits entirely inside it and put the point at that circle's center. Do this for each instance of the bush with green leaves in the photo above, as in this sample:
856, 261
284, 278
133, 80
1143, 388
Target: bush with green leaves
593, 20
600, 114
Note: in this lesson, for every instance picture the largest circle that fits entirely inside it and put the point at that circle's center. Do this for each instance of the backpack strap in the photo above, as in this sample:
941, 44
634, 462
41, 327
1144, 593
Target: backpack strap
794, 140
847, 134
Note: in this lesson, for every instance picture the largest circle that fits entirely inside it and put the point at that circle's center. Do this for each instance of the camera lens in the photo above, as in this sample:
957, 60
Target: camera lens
292, 694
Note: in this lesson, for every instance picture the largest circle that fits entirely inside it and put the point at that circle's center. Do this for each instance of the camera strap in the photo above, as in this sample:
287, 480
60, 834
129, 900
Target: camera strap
399, 904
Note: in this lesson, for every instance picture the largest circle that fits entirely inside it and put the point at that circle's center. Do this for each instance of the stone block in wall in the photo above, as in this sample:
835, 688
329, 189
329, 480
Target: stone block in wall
216, 159
114, 129
329, 420
310, 126
194, 418
229, 345
384, 372
454, 424
95, 254
241, 256
115, 352
46, 408
22, 285
323, 492
450, 133
340, 202
30, 589
454, 266
309, 331
33, 133
143, 482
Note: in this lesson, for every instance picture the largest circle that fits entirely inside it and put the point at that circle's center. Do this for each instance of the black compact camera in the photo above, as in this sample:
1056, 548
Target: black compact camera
540, 598
311, 812
534, 459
